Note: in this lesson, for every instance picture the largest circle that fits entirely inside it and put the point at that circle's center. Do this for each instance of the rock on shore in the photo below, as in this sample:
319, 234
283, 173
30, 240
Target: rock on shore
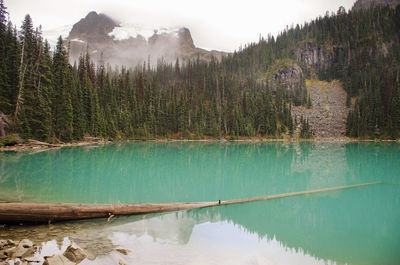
25, 252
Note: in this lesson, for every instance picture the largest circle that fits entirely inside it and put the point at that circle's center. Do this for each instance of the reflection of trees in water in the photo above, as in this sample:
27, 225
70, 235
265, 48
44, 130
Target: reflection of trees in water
321, 164
184, 172
157, 172
305, 149
374, 161
349, 226
352, 226
9, 188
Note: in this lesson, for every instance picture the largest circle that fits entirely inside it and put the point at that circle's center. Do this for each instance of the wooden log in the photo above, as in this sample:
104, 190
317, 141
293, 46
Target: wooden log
284, 195
35, 142
52, 212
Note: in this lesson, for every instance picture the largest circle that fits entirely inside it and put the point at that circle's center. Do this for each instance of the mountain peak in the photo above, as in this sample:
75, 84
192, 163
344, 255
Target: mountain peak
93, 27
185, 37
132, 44
91, 15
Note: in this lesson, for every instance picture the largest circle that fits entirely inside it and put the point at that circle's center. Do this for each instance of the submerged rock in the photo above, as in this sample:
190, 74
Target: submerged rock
122, 262
11, 243
15, 252
3, 255
124, 251
32, 259
26, 243
58, 260
74, 253
22, 250
3, 243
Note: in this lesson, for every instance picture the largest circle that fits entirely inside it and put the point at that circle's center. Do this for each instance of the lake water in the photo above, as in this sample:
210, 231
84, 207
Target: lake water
354, 226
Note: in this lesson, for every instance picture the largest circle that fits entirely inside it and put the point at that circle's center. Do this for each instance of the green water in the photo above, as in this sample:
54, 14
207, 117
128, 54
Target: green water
356, 226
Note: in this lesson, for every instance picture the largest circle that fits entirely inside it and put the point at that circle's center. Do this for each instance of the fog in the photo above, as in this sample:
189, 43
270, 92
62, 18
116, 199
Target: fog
215, 25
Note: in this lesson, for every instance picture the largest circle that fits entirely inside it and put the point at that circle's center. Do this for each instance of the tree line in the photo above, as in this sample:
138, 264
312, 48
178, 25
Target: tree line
49, 99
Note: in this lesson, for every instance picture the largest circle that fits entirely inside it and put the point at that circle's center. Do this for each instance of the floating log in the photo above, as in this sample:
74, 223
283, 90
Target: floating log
53, 212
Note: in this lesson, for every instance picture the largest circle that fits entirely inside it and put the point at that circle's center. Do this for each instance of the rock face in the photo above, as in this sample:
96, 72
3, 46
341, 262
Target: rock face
94, 27
316, 57
291, 76
120, 44
365, 4
287, 75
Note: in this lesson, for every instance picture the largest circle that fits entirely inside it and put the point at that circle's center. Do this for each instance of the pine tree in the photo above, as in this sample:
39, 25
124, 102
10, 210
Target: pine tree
78, 117
41, 116
63, 84
3, 77
30, 56
395, 117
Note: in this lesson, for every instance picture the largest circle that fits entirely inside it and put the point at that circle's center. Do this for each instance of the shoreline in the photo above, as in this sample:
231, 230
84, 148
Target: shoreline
33, 145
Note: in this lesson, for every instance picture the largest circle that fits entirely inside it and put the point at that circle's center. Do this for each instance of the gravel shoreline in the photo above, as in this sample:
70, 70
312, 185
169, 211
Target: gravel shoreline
45, 146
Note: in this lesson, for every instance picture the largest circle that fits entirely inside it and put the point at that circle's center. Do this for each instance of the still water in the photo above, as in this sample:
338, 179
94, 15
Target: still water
355, 226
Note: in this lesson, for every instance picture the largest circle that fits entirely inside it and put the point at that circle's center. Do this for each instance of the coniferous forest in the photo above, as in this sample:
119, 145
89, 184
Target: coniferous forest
44, 97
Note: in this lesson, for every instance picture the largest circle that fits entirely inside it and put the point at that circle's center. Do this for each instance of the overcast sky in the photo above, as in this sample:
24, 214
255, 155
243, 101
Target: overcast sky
214, 24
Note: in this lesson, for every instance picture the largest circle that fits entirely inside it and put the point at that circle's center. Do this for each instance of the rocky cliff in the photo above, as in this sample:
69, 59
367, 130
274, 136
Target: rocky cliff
121, 44
314, 56
286, 73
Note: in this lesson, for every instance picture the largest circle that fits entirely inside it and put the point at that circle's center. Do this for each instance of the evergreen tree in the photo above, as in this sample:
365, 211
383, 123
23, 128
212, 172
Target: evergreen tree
41, 116
5, 104
30, 57
63, 85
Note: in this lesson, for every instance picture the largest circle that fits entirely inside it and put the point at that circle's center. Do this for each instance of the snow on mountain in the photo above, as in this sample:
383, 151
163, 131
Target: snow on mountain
128, 30
128, 44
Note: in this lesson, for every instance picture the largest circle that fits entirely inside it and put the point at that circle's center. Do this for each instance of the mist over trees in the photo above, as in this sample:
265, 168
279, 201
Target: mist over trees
46, 98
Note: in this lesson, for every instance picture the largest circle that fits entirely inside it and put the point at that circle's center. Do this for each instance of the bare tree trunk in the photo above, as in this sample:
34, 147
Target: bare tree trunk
52, 212
2, 125
4, 121
38, 61
22, 71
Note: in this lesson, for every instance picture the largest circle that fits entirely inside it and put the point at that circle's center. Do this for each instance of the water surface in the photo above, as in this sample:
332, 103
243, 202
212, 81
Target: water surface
357, 226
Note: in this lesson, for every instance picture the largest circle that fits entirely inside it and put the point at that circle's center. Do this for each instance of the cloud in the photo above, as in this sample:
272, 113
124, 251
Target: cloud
221, 25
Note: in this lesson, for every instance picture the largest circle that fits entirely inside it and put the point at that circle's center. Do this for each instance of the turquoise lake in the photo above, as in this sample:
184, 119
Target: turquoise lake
354, 226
